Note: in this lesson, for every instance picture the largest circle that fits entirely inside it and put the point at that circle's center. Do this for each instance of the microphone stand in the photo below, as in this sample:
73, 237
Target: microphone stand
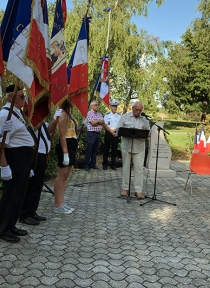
154, 193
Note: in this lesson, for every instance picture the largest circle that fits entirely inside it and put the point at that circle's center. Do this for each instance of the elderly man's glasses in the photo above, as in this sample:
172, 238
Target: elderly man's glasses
22, 96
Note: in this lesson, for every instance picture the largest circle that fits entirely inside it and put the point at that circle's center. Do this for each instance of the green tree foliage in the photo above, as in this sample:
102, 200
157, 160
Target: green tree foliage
187, 67
127, 46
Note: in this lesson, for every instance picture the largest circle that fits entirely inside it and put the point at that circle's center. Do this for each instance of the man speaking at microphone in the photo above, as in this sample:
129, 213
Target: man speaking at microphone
135, 120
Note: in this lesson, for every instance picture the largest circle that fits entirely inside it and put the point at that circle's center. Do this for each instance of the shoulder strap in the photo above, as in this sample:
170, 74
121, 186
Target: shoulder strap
46, 132
43, 138
29, 128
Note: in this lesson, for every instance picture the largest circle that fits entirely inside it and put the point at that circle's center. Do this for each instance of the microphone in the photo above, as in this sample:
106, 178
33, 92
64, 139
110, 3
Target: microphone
145, 115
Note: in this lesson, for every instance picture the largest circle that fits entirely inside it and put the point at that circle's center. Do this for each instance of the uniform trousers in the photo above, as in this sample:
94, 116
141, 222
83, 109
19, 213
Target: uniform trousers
35, 184
93, 141
138, 161
20, 161
110, 141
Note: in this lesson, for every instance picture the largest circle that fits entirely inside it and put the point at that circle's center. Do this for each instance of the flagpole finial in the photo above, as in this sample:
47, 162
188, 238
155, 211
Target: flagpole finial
88, 7
107, 9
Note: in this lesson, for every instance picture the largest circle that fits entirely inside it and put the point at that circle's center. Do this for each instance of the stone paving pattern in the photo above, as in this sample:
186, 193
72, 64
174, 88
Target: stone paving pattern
108, 242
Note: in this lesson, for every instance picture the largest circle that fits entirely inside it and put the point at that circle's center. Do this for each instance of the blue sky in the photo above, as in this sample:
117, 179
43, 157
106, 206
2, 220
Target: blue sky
168, 22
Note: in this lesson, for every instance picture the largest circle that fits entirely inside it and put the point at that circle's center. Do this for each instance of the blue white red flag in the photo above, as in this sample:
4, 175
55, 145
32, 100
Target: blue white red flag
196, 140
103, 85
202, 140
59, 85
207, 150
1, 58
25, 41
77, 70
1, 66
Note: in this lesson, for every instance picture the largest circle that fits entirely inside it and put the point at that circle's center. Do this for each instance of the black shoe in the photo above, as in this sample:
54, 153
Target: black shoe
113, 168
95, 167
19, 232
29, 220
87, 169
39, 218
9, 237
104, 168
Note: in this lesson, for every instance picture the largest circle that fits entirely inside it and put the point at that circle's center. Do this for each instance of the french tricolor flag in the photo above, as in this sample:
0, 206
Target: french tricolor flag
1, 66
202, 140
59, 85
196, 140
103, 86
1, 58
24, 47
77, 70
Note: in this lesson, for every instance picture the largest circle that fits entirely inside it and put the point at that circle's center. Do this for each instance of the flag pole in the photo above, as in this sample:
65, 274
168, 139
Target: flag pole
108, 30
88, 7
9, 116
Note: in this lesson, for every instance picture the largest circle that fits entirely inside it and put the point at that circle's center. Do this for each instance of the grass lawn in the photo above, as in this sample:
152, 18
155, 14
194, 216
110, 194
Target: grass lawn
181, 138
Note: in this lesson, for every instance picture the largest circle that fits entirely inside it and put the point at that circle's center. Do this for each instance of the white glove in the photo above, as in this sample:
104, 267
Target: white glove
58, 113
7, 126
6, 173
65, 159
31, 173
84, 121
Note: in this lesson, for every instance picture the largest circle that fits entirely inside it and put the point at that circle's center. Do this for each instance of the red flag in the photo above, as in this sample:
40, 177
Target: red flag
77, 70
39, 58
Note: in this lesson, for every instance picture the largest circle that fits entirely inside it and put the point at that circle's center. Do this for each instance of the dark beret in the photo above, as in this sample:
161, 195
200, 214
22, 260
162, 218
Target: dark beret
11, 88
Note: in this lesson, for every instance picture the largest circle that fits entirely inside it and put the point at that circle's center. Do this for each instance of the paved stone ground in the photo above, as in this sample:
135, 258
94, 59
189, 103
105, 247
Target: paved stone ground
107, 242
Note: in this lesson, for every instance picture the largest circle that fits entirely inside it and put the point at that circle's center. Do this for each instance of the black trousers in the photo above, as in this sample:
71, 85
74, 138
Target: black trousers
93, 141
35, 184
110, 142
20, 161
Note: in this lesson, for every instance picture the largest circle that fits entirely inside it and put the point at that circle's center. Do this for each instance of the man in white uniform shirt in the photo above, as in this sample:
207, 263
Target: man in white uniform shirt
111, 120
133, 120
16, 163
31, 202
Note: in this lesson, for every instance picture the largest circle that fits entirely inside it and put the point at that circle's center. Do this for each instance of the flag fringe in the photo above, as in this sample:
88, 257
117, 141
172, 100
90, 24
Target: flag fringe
29, 62
78, 92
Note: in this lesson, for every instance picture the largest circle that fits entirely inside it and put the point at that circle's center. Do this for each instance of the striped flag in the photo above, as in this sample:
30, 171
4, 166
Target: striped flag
207, 150
1, 66
1, 58
196, 140
77, 70
103, 86
59, 85
202, 140
24, 46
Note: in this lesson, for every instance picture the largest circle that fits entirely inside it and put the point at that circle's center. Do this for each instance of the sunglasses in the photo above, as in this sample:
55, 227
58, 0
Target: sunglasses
22, 96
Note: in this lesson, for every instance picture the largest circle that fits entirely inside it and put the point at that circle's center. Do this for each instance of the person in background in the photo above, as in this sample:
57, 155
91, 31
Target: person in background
16, 164
111, 120
31, 202
65, 149
133, 119
95, 124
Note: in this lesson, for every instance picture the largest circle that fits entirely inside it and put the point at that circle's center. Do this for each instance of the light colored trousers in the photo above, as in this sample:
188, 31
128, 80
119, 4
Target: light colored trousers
138, 163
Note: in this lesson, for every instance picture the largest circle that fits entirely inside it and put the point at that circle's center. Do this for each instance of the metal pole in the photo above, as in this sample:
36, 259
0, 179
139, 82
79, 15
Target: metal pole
107, 40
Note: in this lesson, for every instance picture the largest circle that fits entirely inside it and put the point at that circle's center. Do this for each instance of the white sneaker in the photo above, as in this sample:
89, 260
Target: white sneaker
69, 208
62, 209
